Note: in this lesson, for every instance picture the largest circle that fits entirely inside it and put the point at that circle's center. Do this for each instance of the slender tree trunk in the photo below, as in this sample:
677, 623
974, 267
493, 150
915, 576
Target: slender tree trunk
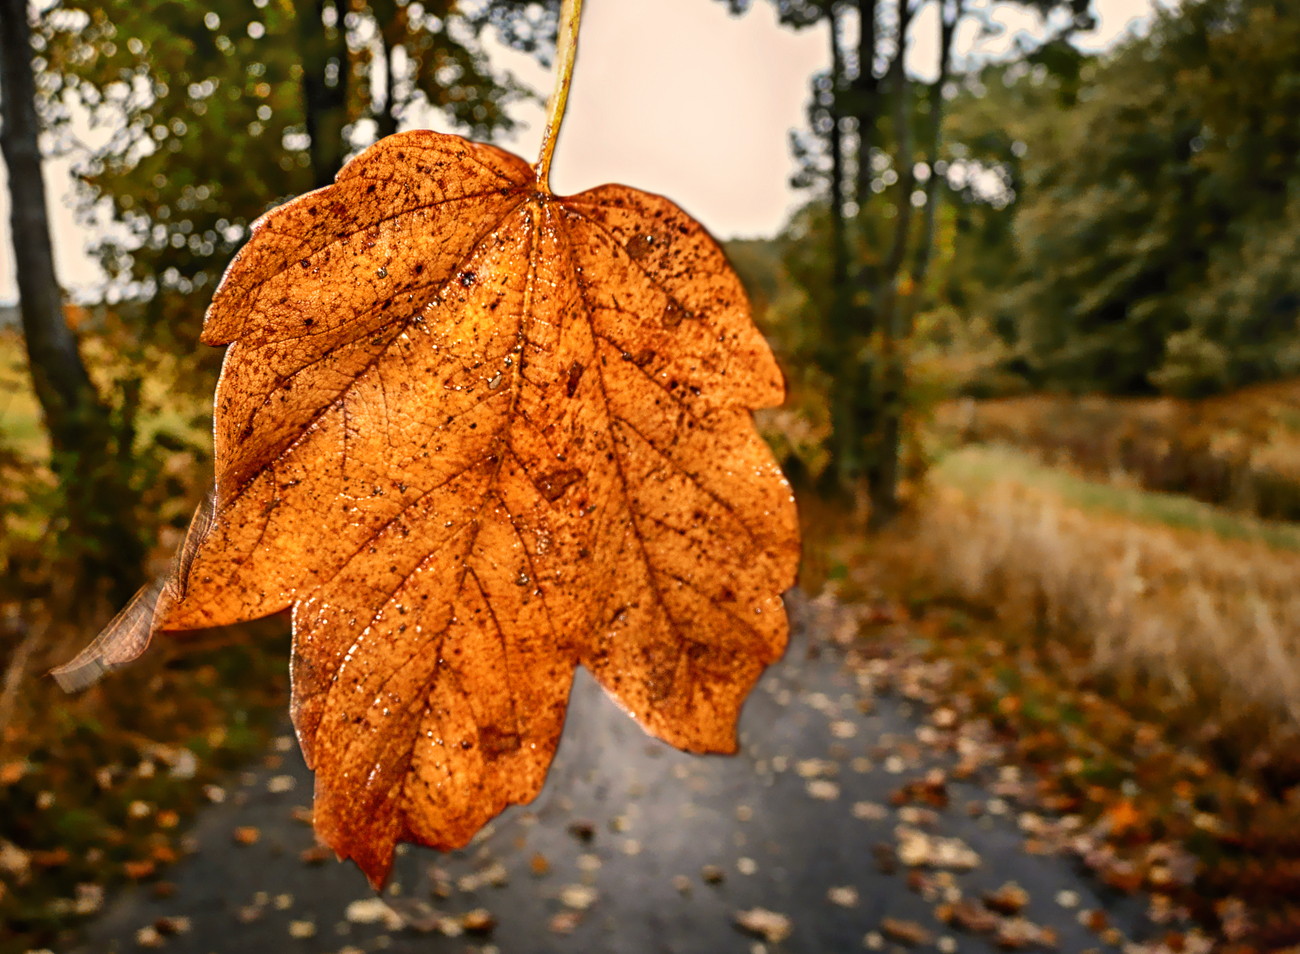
882, 475
840, 325
324, 86
98, 502
835, 143
865, 97
853, 405
60, 379
385, 13
903, 162
947, 29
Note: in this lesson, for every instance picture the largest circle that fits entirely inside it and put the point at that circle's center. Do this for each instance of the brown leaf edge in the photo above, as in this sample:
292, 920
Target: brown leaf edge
128, 634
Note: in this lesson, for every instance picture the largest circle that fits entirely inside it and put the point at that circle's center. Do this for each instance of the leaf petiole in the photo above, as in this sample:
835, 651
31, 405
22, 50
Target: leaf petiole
565, 51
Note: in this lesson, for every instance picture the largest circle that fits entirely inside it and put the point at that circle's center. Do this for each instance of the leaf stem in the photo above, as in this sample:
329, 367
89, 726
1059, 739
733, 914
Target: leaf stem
565, 50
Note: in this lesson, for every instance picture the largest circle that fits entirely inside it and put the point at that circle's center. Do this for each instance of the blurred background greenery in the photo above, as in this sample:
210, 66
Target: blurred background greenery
1037, 315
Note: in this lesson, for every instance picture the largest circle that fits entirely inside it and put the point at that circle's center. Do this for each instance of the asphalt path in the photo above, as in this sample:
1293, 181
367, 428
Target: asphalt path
791, 845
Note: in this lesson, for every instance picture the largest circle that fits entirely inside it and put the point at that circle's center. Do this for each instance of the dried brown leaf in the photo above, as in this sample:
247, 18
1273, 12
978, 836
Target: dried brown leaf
473, 434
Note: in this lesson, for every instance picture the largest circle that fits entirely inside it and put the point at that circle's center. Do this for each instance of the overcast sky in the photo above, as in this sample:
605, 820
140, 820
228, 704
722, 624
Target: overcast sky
671, 96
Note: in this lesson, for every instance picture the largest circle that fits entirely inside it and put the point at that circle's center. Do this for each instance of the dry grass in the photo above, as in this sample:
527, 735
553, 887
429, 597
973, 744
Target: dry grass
1215, 620
1239, 450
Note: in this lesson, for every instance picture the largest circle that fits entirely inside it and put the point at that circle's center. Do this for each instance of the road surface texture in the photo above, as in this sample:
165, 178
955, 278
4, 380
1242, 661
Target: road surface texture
793, 845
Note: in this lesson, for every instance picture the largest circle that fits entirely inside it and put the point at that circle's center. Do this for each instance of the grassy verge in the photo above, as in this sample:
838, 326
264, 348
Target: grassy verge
1151, 586
976, 468
1240, 451
20, 415
1148, 768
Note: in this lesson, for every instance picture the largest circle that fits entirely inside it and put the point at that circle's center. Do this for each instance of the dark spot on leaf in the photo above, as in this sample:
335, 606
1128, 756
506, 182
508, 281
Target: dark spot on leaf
575, 375
553, 485
673, 314
640, 245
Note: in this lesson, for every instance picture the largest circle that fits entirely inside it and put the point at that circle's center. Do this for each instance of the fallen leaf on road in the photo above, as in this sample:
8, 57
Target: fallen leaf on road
149, 937
373, 911
169, 926
494, 874
1008, 899
316, 855
845, 896
843, 729
815, 768
247, 835
916, 849
823, 789
14, 861
578, 896
769, 925
904, 932
870, 811
90, 898
968, 916
1122, 815
479, 921
565, 922
582, 830
1013, 934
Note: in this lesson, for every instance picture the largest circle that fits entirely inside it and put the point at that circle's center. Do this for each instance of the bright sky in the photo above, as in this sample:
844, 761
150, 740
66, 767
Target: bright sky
671, 96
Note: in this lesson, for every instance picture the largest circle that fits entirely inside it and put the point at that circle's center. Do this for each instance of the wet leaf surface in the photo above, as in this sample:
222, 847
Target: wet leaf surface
473, 435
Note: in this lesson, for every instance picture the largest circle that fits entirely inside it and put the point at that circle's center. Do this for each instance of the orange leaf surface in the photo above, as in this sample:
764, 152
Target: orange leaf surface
473, 434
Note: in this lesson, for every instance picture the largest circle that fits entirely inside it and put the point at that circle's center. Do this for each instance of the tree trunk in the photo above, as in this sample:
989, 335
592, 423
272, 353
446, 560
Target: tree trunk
60, 379
385, 13
882, 475
835, 143
901, 304
98, 502
853, 317
325, 70
947, 29
864, 97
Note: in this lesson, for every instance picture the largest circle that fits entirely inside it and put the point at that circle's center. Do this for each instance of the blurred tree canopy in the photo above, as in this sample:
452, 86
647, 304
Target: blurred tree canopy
860, 256
213, 113
1125, 222
1156, 214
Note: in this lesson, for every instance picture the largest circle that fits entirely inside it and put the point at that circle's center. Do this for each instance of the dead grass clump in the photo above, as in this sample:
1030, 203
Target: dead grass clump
1217, 621
1239, 450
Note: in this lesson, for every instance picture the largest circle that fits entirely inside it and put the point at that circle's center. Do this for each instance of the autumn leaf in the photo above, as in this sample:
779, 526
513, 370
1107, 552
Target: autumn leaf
473, 434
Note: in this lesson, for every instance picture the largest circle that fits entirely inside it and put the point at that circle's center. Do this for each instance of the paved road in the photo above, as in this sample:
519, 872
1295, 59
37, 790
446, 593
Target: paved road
612, 856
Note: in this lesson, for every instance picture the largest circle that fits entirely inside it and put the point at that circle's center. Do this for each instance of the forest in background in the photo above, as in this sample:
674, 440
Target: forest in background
1038, 324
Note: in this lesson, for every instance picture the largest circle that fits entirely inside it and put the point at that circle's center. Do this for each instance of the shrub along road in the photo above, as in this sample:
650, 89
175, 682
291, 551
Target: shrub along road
838, 827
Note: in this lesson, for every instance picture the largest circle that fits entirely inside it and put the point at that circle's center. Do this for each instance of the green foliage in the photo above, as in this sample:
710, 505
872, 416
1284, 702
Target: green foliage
827, 433
209, 116
1158, 218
